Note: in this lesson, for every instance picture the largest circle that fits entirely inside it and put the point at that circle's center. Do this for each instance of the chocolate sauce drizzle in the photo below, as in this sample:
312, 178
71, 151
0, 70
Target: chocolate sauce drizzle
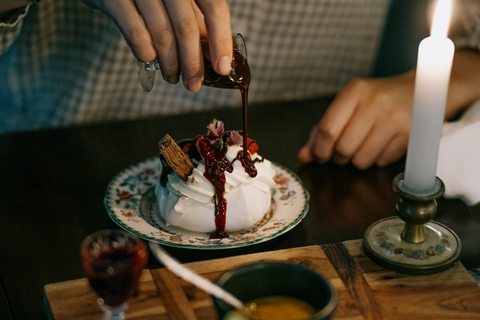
238, 78
216, 162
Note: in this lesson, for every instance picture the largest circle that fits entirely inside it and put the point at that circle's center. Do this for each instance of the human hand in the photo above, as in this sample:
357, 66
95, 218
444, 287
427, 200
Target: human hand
170, 30
367, 123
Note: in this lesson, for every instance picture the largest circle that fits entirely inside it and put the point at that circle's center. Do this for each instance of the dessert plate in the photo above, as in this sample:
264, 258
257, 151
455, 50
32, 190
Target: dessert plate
130, 202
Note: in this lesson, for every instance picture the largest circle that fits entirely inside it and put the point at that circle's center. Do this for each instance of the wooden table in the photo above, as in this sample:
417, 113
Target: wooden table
365, 290
54, 181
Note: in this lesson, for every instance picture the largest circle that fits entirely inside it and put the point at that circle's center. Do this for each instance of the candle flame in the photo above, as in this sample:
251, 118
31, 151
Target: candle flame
441, 19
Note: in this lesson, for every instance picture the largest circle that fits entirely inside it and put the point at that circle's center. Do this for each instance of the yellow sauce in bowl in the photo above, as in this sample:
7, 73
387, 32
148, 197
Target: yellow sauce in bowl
275, 308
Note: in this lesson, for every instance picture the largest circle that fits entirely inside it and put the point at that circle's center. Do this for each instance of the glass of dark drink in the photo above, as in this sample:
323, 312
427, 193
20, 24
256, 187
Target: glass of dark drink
113, 261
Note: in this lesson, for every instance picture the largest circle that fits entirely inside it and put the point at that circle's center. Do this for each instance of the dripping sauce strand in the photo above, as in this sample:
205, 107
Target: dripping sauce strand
217, 163
242, 77
239, 78
247, 162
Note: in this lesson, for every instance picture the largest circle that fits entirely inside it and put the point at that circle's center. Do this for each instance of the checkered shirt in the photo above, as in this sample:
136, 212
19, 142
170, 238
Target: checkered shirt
65, 64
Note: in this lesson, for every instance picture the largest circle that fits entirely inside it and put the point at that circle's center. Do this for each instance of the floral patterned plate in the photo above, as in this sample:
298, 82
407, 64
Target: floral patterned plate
130, 201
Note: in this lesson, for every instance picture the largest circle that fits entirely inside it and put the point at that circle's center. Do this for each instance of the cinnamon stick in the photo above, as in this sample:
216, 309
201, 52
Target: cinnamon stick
175, 157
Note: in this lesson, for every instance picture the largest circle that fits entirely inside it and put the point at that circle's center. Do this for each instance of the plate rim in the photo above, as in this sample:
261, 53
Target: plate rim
124, 226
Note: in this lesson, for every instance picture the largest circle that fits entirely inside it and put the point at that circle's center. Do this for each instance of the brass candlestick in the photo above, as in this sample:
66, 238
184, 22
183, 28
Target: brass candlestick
413, 242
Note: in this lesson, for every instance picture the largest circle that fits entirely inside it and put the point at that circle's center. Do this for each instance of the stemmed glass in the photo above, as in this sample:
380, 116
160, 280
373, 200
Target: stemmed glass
146, 71
113, 261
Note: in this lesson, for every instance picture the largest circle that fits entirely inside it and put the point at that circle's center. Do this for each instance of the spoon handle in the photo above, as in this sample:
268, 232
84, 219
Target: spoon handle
146, 73
200, 282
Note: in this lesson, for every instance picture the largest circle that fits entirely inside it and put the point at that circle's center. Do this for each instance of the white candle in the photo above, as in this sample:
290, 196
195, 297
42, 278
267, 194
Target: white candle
434, 64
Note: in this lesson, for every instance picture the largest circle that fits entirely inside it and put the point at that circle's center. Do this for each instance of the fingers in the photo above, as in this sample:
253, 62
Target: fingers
373, 146
367, 132
333, 124
394, 150
125, 15
217, 20
353, 135
306, 153
368, 123
158, 23
170, 30
192, 19
200, 19
385, 143
184, 23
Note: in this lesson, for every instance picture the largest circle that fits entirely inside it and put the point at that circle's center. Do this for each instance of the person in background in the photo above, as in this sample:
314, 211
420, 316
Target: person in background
70, 62
64, 64
369, 121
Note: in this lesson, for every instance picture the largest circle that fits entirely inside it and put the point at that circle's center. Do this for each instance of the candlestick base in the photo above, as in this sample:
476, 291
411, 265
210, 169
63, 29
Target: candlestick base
384, 245
412, 243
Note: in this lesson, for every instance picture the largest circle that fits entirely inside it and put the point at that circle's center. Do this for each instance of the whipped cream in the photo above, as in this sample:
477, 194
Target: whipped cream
189, 204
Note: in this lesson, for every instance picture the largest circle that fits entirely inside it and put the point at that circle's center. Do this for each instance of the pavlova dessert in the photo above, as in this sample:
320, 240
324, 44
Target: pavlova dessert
214, 183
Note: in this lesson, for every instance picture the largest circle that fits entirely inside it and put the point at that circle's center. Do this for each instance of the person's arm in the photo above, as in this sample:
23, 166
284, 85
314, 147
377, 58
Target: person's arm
170, 30
369, 121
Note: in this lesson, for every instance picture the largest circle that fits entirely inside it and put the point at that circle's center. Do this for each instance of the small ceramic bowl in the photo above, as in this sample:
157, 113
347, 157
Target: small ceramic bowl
273, 279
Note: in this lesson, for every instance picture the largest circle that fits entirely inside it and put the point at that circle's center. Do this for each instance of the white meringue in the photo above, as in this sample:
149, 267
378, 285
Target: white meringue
189, 204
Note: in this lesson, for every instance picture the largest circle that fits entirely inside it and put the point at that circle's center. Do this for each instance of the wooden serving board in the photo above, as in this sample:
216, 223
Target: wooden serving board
366, 290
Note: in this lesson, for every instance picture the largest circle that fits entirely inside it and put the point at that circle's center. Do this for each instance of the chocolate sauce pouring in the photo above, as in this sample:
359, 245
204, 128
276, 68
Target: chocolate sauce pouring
239, 77
215, 161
